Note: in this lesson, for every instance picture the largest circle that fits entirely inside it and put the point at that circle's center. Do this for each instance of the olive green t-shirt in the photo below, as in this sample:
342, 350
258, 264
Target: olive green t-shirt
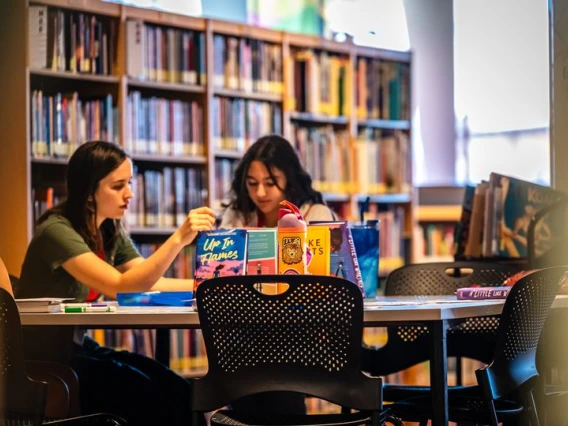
54, 242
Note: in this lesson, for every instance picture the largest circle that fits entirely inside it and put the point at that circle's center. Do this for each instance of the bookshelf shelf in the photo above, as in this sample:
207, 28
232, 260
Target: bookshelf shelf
52, 161
174, 87
385, 124
318, 118
98, 7
92, 78
386, 198
388, 55
197, 160
256, 96
163, 18
445, 213
152, 231
225, 153
332, 197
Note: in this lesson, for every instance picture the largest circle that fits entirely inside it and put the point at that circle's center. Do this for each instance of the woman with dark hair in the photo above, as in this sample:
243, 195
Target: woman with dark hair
270, 172
79, 251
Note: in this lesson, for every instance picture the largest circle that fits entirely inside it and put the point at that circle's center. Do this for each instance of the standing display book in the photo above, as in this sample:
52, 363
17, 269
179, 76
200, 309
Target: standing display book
342, 255
220, 253
519, 202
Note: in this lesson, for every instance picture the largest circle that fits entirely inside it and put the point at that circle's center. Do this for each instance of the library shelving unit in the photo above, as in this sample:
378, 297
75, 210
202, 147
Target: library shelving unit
185, 97
439, 209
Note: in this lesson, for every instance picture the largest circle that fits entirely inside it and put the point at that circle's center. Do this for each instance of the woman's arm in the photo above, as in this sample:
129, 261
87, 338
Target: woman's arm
163, 284
142, 276
5, 278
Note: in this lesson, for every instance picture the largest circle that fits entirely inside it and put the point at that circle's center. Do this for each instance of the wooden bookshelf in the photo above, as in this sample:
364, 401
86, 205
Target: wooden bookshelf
20, 80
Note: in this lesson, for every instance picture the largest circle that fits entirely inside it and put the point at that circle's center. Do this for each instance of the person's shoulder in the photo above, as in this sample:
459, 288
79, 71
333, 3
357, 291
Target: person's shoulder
232, 218
316, 211
55, 226
54, 221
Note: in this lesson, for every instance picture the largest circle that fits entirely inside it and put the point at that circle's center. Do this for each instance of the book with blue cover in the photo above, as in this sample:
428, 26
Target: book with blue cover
220, 253
519, 201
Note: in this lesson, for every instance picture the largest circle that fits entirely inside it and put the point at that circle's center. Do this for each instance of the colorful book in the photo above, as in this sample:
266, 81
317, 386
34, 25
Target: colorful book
318, 243
461, 231
342, 255
220, 253
520, 201
481, 293
262, 254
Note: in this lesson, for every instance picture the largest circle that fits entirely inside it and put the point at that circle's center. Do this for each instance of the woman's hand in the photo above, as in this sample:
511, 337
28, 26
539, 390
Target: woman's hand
199, 219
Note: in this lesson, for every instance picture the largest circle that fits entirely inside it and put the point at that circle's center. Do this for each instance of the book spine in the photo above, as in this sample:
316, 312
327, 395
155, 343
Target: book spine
481, 293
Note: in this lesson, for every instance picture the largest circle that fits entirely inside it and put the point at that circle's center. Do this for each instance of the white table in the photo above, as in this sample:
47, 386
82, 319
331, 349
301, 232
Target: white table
435, 312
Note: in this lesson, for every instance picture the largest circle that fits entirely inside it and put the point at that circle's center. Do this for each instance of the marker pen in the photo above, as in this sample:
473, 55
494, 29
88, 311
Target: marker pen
89, 309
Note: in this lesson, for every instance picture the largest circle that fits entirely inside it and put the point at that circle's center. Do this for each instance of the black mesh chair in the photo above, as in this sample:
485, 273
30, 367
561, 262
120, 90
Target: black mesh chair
552, 359
305, 340
409, 345
505, 387
22, 400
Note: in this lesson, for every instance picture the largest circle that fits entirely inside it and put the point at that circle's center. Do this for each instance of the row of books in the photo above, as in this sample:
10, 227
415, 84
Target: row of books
247, 65
324, 151
383, 89
162, 198
62, 40
187, 350
437, 240
496, 215
224, 172
163, 126
266, 251
62, 122
383, 161
181, 267
237, 123
164, 54
381, 164
317, 83
45, 197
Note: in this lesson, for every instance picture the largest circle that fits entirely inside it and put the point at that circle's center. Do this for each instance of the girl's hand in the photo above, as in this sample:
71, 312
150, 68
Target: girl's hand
199, 219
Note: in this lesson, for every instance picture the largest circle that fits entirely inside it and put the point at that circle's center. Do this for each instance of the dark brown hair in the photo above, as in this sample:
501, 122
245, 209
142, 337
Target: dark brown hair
90, 163
273, 151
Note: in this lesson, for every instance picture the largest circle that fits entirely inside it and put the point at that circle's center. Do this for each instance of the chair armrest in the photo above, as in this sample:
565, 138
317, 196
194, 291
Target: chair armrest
63, 398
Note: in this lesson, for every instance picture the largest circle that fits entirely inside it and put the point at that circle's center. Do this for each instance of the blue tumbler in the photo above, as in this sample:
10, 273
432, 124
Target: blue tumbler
366, 241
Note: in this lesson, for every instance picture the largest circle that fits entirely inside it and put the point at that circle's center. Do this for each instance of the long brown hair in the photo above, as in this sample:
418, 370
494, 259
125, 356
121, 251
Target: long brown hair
90, 163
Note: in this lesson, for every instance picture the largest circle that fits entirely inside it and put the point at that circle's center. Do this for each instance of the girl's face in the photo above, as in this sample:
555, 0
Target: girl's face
114, 193
263, 190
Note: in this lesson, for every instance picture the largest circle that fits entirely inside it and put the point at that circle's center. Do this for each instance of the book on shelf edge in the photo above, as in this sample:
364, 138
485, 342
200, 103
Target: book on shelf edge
481, 293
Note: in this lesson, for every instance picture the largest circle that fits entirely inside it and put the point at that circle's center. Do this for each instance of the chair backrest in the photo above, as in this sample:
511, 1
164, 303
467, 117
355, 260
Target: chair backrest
307, 340
20, 397
443, 278
408, 345
522, 319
